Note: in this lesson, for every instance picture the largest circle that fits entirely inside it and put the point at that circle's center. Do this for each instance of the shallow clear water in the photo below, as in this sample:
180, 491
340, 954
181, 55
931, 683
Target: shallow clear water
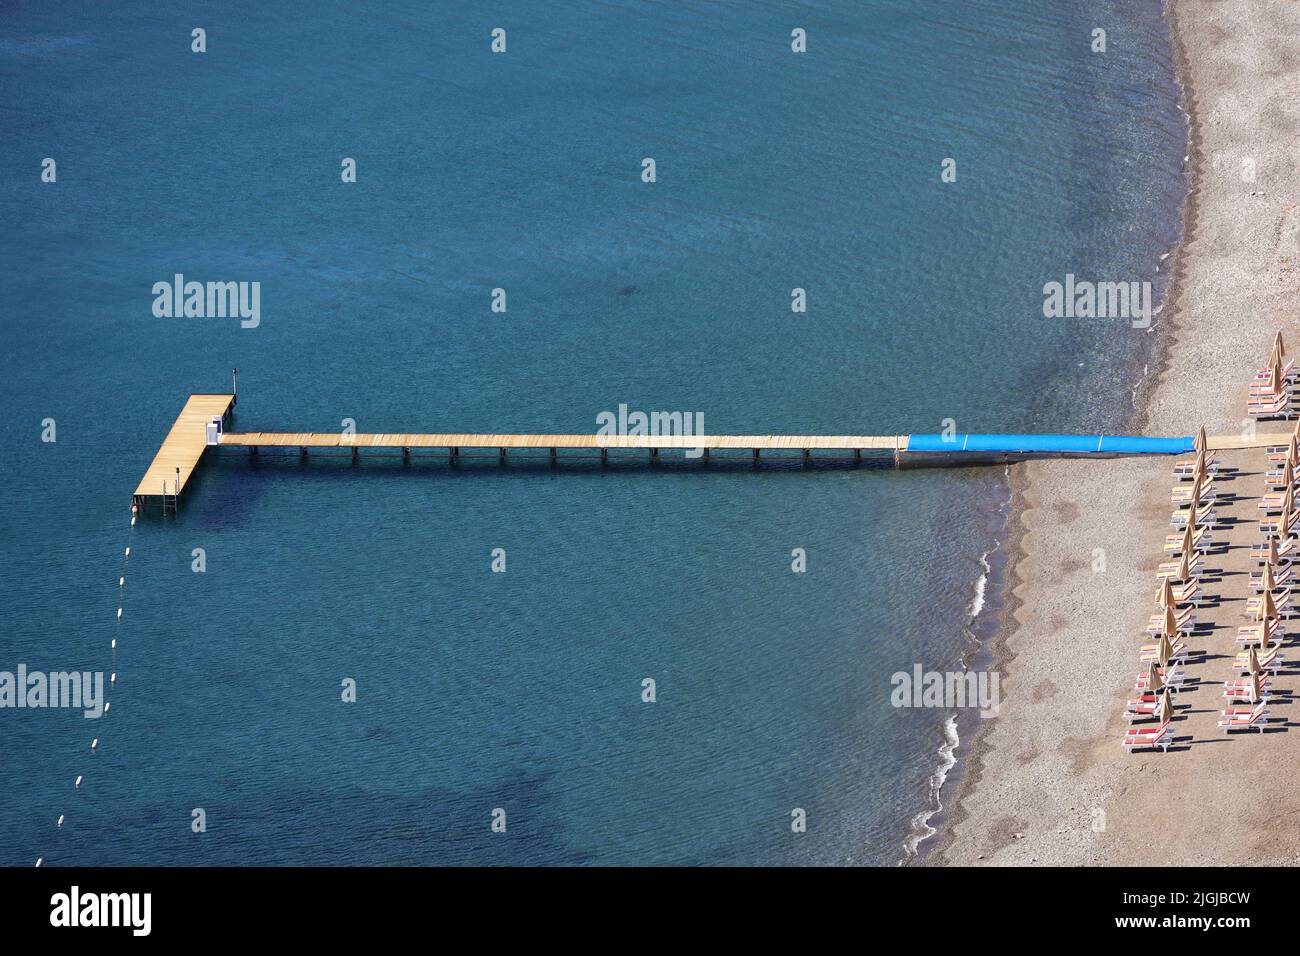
522, 690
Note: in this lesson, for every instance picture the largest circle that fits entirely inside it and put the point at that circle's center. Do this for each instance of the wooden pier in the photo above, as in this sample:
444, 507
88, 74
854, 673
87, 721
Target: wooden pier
171, 470
181, 450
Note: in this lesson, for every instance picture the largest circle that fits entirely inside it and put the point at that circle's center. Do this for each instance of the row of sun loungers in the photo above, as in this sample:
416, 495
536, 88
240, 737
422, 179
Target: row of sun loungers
1269, 603
1272, 388
1178, 599
1194, 498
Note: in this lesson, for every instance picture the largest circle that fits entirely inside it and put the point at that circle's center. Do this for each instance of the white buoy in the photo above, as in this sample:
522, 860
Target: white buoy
77, 784
121, 582
115, 643
94, 743
119, 614
112, 678
60, 823
128, 552
132, 521
107, 705
40, 860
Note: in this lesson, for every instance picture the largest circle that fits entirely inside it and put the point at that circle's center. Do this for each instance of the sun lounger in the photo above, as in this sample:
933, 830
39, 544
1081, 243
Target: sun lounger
1151, 652
1272, 661
1244, 718
1248, 634
1281, 600
1239, 688
1148, 738
1273, 502
1170, 569
1189, 592
1143, 706
1186, 620
1205, 518
1281, 579
1182, 494
1185, 471
1171, 677
1288, 371
1286, 550
1201, 541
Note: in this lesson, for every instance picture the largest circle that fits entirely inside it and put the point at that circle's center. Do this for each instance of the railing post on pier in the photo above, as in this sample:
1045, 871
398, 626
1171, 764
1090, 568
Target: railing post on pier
552, 457
501, 459
406, 455
857, 455
806, 456
354, 452
234, 386
302, 452
755, 457
706, 456
654, 455
604, 457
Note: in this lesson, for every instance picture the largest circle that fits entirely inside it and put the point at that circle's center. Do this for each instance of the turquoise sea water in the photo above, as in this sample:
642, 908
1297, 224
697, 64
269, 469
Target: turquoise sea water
522, 171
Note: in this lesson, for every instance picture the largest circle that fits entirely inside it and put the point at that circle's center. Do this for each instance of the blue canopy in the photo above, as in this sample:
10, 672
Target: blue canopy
1074, 444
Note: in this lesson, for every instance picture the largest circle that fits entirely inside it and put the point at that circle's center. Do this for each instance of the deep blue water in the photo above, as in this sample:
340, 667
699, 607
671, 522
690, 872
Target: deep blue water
522, 690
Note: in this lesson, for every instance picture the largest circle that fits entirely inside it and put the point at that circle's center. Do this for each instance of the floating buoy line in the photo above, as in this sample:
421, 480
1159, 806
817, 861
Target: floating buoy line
117, 630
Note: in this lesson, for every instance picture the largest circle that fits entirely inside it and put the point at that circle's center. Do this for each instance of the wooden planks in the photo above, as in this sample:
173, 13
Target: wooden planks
410, 440
183, 446
1260, 440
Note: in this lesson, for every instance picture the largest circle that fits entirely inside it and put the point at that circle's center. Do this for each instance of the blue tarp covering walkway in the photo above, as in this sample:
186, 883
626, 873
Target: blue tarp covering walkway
1074, 444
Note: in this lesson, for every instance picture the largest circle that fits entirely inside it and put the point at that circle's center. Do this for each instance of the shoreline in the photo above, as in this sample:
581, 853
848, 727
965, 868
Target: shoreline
1034, 784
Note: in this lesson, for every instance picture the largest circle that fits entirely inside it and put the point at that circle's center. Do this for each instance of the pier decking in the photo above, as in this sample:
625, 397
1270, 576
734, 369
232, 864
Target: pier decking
171, 468
408, 440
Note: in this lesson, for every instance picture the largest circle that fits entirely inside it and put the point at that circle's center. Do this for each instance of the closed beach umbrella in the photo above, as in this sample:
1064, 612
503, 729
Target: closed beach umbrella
1165, 709
1272, 550
1264, 645
1287, 476
1267, 610
1165, 594
1165, 651
1293, 452
1188, 536
1199, 465
1185, 566
1268, 581
1283, 532
1155, 683
1255, 683
1169, 626
1200, 443
1252, 662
